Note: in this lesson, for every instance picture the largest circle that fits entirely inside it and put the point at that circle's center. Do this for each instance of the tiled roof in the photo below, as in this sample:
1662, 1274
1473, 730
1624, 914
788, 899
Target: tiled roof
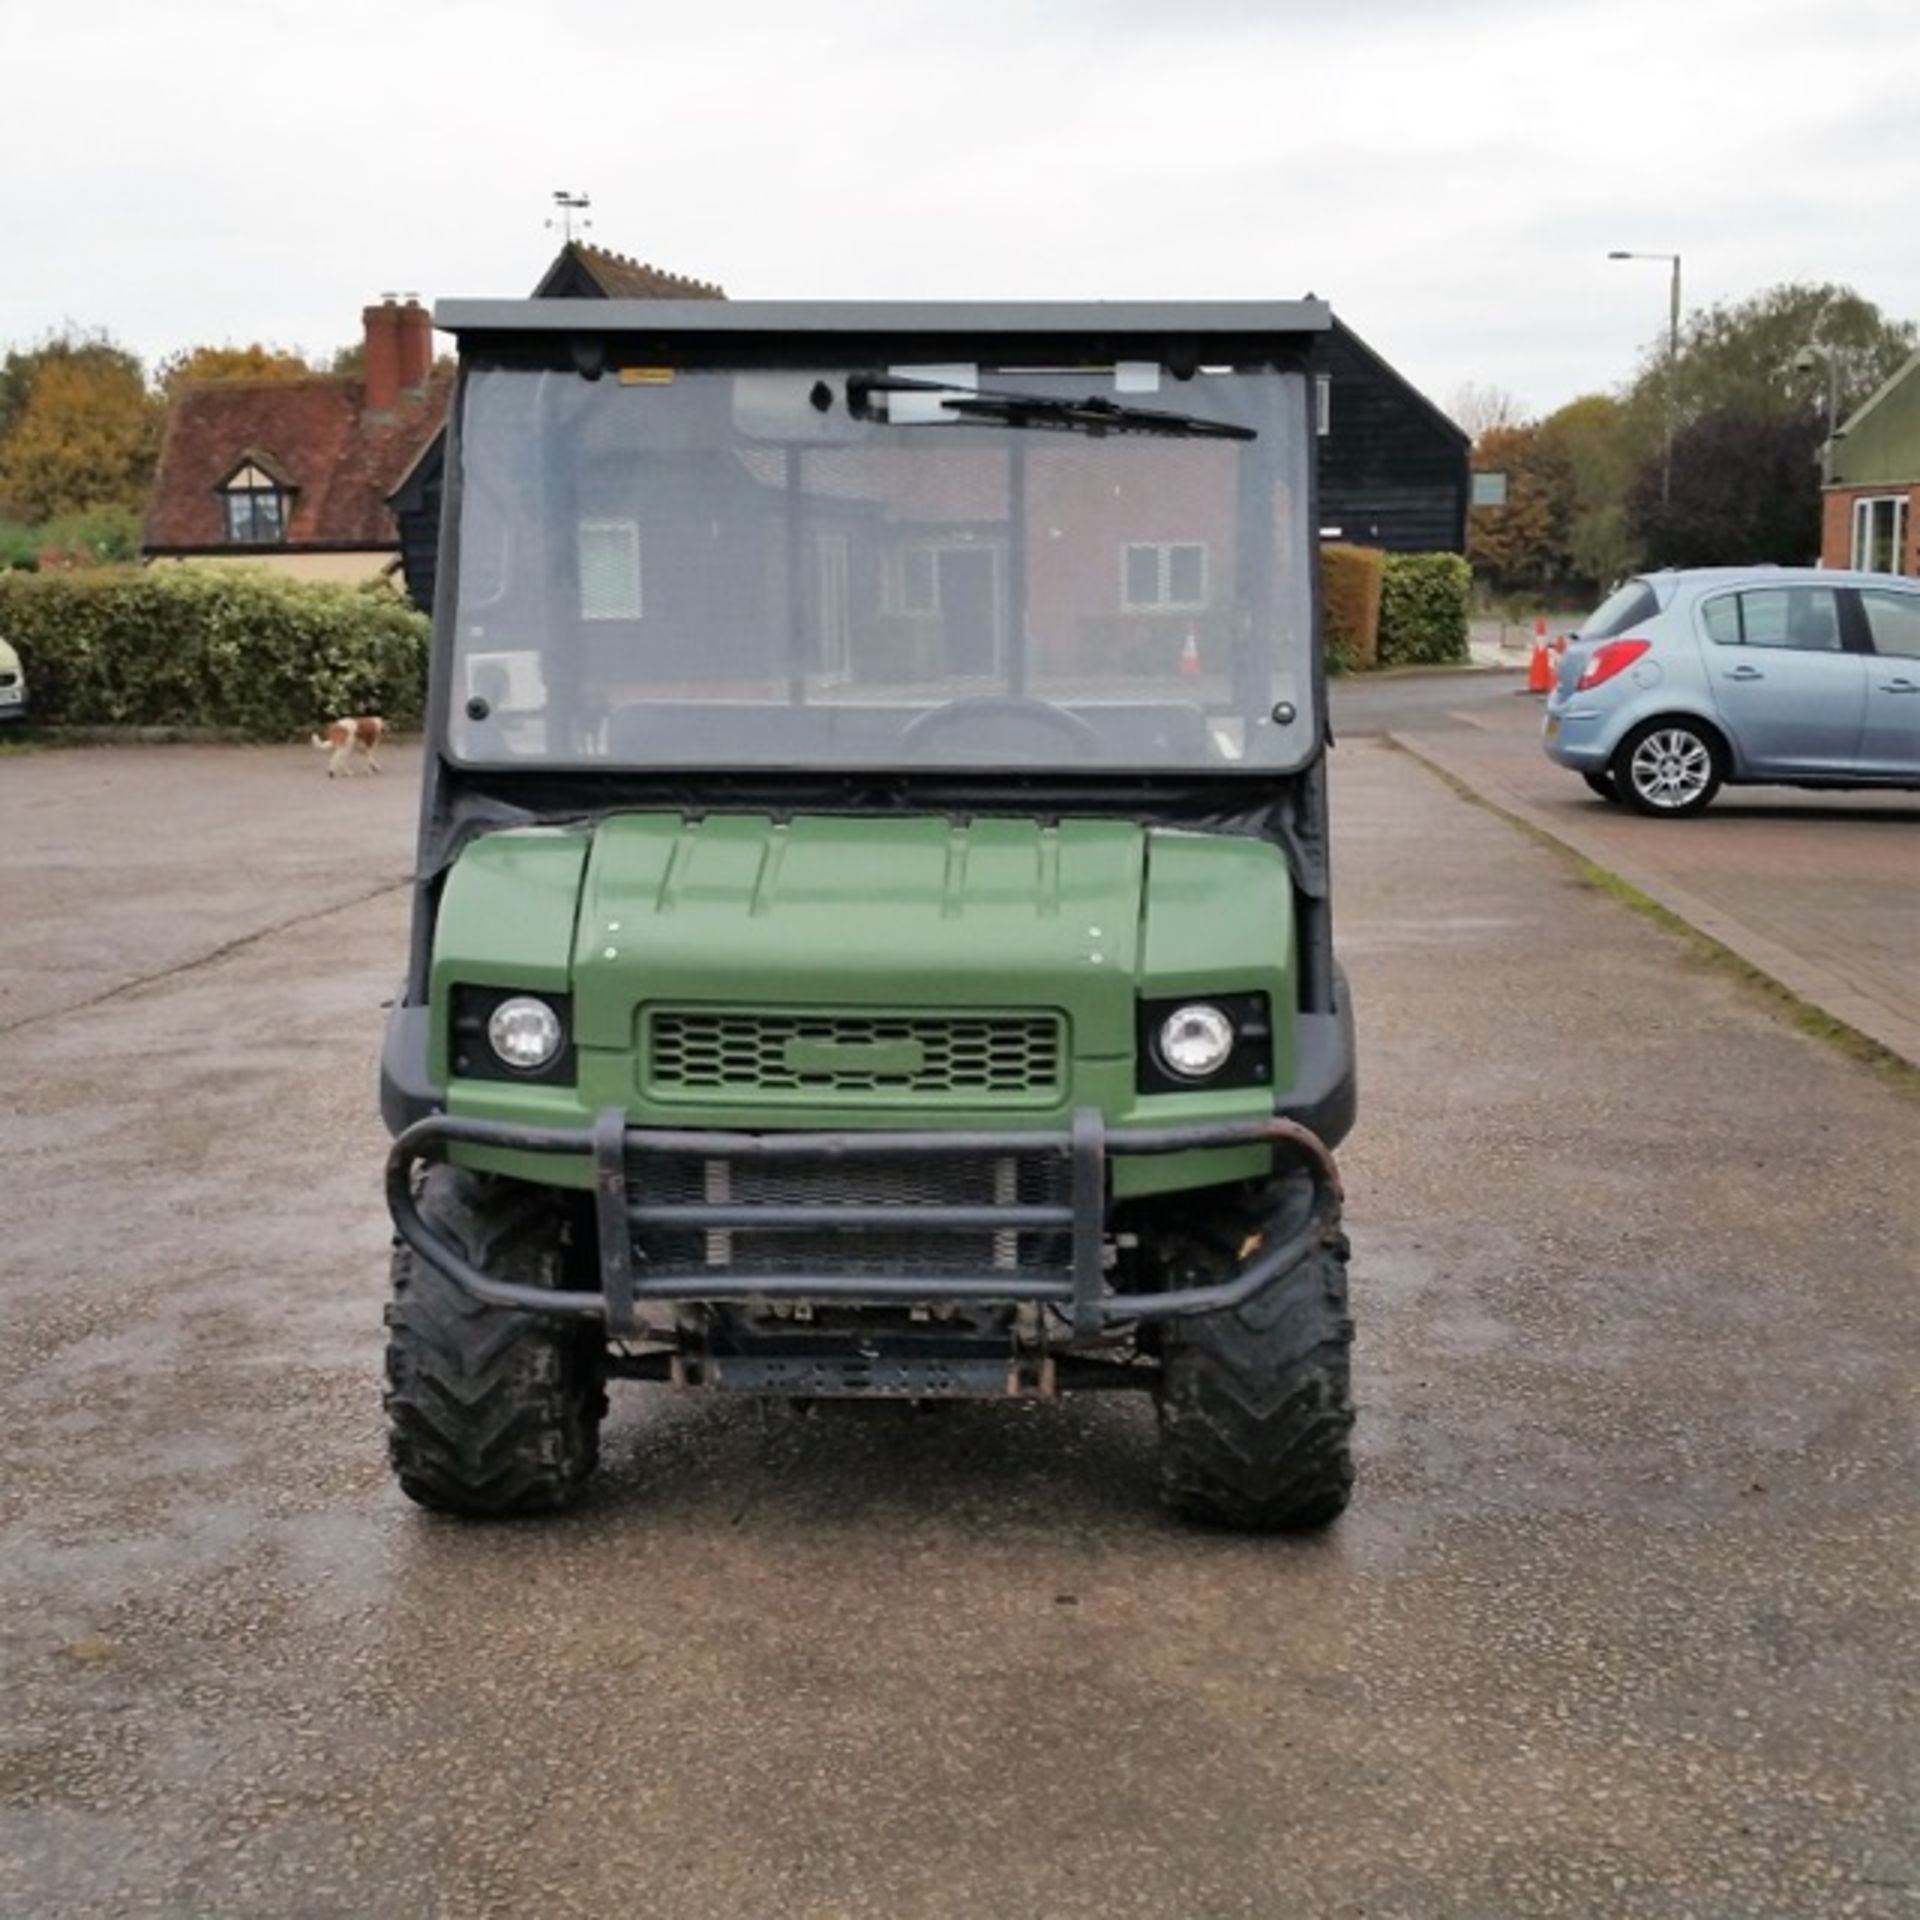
316, 435
621, 278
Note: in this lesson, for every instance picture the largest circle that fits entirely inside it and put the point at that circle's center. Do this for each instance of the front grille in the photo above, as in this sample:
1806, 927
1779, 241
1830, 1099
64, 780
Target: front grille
723, 1054
875, 1179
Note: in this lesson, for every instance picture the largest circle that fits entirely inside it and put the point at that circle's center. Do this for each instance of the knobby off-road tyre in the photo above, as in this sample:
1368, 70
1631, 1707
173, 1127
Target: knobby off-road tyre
490, 1412
1256, 1403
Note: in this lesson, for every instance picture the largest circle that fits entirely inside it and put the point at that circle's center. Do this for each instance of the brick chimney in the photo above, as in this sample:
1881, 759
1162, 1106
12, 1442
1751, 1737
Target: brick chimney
399, 339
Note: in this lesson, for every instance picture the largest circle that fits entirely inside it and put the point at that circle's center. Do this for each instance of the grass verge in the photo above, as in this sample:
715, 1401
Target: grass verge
1782, 1002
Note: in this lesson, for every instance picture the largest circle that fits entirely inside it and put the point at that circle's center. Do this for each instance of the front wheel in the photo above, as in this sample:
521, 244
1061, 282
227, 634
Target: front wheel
1601, 783
490, 1411
1256, 1401
1669, 768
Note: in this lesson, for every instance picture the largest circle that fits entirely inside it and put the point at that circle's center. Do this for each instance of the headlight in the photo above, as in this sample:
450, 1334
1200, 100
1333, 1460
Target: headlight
1195, 1041
524, 1033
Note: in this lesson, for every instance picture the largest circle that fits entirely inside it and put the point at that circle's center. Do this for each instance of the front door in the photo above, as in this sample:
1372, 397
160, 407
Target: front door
968, 577
1793, 698
1891, 746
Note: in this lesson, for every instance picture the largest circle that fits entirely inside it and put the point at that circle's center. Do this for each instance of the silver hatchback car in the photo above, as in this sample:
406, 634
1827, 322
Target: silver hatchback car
1681, 682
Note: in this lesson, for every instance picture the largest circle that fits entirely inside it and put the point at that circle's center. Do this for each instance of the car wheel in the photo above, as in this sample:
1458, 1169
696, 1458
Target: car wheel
1602, 784
1669, 768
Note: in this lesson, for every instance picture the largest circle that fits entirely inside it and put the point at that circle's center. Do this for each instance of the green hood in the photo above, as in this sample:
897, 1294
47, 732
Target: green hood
897, 915
861, 913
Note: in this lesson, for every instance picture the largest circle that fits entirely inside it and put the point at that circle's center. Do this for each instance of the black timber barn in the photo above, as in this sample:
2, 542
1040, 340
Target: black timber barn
1393, 467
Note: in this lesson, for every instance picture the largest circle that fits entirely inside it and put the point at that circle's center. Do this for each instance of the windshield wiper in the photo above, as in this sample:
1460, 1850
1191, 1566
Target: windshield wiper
1093, 415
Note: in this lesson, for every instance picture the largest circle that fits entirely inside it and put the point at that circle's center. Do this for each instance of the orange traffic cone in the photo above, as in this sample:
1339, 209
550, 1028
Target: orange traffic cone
1540, 669
1190, 657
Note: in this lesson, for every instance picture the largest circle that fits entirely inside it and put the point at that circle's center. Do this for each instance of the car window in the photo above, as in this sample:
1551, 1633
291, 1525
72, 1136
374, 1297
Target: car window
1627, 605
1721, 618
1894, 621
1805, 619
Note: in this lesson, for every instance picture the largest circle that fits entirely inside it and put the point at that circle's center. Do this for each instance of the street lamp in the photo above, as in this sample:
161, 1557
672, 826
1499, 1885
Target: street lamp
1805, 361
1673, 356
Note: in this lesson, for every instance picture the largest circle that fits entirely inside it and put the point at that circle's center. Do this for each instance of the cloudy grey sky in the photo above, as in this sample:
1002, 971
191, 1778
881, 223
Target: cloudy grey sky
1450, 173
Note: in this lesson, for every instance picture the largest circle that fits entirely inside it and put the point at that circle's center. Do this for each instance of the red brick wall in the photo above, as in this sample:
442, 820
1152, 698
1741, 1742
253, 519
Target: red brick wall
1836, 525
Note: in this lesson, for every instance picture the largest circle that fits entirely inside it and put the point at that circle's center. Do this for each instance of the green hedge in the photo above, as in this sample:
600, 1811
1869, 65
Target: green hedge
1424, 602
1351, 581
235, 649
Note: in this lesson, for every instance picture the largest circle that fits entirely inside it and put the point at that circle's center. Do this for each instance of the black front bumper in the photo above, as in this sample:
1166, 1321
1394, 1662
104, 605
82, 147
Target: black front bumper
627, 1208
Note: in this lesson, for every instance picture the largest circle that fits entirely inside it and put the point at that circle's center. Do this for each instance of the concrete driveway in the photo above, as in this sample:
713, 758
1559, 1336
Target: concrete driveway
1622, 1622
1819, 891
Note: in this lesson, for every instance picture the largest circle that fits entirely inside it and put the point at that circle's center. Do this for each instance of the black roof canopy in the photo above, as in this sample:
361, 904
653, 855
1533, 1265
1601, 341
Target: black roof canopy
1223, 329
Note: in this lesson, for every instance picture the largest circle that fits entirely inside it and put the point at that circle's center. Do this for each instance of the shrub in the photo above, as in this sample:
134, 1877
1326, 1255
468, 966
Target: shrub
19, 546
1350, 593
1423, 609
238, 650
101, 536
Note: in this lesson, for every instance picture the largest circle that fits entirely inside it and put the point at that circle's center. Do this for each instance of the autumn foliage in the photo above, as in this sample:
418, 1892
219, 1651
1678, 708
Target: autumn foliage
80, 431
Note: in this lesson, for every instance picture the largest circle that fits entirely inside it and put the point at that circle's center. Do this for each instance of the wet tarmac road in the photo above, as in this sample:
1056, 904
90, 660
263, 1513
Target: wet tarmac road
1624, 1620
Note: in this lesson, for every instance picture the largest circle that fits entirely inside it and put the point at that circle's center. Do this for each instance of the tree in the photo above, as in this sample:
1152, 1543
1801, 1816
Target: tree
254, 362
1746, 490
1478, 410
1740, 358
1592, 443
71, 344
85, 436
1524, 543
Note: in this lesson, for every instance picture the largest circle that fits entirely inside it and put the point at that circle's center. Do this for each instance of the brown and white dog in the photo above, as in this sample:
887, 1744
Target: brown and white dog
344, 738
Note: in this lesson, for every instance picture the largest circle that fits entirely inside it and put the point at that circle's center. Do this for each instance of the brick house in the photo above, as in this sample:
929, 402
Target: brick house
1870, 507
332, 479
293, 475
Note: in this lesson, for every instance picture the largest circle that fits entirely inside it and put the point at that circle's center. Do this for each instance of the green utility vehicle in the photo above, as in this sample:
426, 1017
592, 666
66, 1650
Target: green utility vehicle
872, 925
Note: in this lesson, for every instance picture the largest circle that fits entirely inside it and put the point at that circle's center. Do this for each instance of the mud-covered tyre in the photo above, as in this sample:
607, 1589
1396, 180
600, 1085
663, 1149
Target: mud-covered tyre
490, 1412
1256, 1402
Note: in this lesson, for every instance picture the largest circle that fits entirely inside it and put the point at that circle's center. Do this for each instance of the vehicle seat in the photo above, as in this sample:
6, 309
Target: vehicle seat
1811, 626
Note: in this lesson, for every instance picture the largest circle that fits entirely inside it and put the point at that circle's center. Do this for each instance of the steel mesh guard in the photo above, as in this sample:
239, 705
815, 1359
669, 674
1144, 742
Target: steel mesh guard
1010, 1179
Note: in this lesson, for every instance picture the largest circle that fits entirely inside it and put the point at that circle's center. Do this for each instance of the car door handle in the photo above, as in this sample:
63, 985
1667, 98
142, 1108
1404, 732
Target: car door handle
1900, 686
1746, 673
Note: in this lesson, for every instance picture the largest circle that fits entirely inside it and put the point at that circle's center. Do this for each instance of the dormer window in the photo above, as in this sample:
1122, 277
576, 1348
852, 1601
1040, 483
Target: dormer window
256, 507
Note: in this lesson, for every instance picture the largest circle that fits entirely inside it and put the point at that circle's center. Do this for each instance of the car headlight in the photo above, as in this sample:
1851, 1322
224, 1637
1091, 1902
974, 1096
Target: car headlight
524, 1033
1195, 1041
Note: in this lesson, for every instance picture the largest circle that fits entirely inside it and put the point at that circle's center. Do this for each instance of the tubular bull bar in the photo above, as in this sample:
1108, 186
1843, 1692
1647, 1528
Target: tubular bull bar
1076, 1288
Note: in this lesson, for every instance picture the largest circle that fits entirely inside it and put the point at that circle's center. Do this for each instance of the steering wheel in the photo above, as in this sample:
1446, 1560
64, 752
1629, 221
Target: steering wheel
1083, 737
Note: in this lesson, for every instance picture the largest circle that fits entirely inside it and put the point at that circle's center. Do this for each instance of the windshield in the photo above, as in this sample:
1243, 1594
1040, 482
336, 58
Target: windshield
884, 566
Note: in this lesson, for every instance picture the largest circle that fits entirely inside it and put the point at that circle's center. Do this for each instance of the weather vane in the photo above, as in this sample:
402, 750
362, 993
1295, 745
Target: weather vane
569, 205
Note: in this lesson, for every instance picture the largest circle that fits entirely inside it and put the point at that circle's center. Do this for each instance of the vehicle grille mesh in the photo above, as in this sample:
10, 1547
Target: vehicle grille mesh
1006, 1179
720, 1054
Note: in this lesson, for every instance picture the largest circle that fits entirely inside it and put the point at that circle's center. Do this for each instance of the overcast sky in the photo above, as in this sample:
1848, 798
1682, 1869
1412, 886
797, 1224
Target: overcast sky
1450, 173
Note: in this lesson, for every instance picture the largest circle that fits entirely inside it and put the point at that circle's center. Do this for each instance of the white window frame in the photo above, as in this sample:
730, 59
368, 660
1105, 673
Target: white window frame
1322, 404
932, 551
633, 605
1163, 576
833, 585
245, 488
1863, 541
